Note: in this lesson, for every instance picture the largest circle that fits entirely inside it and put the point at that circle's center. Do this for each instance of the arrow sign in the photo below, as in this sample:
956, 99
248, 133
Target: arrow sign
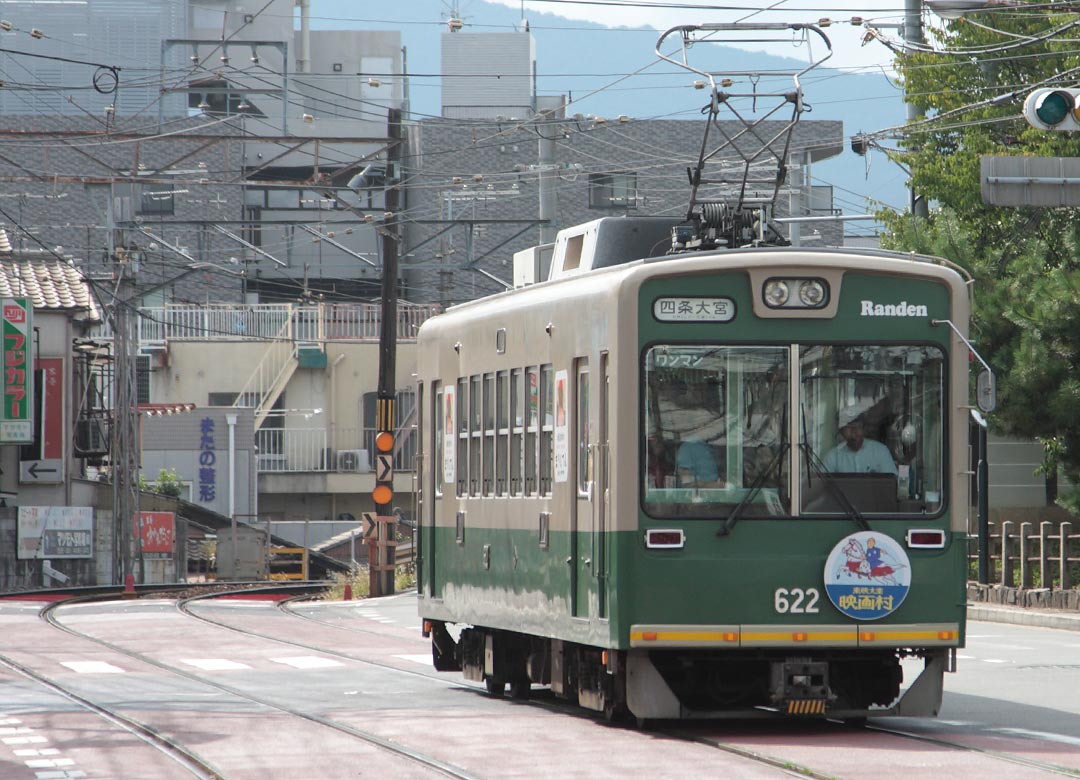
384, 467
368, 519
47, 471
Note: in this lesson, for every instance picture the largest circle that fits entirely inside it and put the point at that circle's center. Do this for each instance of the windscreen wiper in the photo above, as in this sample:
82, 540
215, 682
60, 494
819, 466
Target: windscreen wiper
755, 487
815, 463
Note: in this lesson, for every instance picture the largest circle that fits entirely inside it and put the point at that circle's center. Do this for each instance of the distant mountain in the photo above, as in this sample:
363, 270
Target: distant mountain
586, 62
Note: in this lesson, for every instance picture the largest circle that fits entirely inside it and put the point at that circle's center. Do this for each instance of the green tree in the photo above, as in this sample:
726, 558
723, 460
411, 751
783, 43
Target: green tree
168, 483
1025, 262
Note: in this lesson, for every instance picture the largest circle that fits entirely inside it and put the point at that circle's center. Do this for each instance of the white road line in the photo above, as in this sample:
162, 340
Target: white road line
307, 662
32, 740
214, 664
995, 661
1043, 735
419, 658
92, 667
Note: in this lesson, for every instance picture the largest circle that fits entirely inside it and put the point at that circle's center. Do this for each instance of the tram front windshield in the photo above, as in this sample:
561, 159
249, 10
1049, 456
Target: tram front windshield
723, 430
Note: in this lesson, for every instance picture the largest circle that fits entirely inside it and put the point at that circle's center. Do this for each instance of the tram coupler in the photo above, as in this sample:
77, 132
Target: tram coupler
800, 686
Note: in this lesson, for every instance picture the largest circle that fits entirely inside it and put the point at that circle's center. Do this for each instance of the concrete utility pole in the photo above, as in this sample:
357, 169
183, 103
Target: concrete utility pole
913, 33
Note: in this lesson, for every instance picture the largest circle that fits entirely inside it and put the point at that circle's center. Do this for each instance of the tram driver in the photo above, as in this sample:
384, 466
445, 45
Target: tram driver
857, 454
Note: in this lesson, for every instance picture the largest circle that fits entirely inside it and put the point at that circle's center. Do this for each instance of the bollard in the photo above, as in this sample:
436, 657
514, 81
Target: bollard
348, 592
129, 587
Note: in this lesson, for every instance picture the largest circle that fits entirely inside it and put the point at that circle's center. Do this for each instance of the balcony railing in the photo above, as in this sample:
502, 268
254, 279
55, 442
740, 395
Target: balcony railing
264, 321
293, 450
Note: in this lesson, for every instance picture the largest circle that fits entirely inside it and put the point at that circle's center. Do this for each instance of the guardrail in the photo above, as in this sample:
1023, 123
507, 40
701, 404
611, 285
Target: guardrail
1027, 555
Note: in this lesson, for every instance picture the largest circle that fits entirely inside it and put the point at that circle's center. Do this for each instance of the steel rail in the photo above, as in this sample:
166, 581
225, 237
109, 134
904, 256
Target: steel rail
442, 767
190, 761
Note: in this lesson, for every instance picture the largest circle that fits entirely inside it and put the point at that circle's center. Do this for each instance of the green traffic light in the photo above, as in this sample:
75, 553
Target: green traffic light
1054, 107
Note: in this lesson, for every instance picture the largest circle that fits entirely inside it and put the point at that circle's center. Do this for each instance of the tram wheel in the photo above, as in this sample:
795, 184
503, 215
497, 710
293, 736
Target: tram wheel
520, 688
495, 687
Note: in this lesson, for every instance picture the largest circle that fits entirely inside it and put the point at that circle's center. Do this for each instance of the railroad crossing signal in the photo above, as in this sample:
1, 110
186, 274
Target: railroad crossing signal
368, 522
384, 458
384, 467
1053, 109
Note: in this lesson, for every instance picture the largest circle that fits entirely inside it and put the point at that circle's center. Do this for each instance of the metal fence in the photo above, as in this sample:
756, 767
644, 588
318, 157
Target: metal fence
264, 321
1026, 555
284, 450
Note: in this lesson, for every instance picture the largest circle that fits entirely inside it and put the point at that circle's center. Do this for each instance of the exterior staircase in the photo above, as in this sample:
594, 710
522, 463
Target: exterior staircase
270, 377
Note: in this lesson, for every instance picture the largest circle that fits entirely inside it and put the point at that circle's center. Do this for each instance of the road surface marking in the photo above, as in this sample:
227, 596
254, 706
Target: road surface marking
92, 667
307, 662
214, 664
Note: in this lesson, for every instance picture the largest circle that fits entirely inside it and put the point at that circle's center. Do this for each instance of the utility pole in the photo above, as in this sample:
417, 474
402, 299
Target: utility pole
913, 34
124, 444
382, 563
548, 180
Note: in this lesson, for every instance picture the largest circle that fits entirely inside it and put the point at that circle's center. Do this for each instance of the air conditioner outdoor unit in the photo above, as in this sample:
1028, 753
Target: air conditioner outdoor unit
353, 460
91, 437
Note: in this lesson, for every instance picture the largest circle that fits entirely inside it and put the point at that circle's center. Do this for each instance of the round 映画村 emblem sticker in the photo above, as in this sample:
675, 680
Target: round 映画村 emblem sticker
867, 575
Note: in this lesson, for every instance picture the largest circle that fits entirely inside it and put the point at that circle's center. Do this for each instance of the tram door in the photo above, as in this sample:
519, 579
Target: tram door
601, 488
441, 449
583, 573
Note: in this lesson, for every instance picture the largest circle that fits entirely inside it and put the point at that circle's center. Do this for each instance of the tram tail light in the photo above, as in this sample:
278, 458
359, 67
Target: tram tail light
925, 539
664, 538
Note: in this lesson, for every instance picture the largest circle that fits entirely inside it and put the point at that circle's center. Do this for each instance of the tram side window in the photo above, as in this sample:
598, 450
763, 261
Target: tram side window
437, 450
517, 432
462, 436
532, 432
584, 456
488, 482
547, 428
475, 435
502, 434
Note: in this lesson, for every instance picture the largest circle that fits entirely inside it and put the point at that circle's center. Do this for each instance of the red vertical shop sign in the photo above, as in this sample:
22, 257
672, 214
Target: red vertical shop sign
52, 408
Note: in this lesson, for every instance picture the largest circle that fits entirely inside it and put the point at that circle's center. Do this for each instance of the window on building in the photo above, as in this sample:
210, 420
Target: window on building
613, 190
156, 199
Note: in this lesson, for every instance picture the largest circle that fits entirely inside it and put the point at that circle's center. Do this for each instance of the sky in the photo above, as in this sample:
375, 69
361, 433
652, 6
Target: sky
849, 51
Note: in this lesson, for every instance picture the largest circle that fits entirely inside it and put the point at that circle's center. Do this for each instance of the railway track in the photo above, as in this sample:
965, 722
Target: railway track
679, 732
1009, 758
199, 767
758, 754
172, 749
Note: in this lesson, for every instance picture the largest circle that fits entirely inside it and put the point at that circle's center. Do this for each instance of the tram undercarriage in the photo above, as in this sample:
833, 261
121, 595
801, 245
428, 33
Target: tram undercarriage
679, 683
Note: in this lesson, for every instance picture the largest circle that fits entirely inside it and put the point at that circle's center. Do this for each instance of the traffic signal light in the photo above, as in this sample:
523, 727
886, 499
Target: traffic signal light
1053, 109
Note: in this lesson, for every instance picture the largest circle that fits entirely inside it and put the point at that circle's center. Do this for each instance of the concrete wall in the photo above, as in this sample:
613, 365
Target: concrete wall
177, 443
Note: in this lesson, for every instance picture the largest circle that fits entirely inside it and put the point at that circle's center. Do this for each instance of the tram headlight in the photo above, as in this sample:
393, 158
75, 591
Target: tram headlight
776, 293
795, 293
812, 293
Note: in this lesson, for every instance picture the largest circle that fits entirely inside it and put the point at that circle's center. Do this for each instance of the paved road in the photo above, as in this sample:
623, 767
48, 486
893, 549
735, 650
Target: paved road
363, 665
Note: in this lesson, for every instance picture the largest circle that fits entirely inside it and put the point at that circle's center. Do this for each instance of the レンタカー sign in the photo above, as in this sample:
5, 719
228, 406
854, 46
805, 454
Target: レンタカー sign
17, 409
55, 532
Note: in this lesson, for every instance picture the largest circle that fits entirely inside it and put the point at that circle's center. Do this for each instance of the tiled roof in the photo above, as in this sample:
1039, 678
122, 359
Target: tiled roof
49, 284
